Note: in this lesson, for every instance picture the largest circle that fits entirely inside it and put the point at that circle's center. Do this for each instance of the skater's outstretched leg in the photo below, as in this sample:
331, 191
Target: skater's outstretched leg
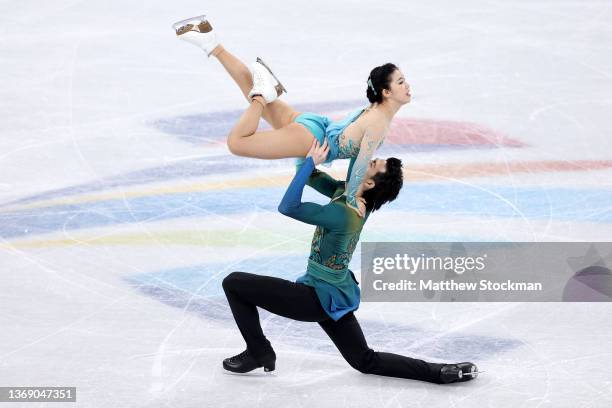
199, 31
289, 139
348, 338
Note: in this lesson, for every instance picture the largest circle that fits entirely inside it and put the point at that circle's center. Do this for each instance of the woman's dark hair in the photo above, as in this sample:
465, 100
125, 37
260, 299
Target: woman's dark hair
387, 185
379, 79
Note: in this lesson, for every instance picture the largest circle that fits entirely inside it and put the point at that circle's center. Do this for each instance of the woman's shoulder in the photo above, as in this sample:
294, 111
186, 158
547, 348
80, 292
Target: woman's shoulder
373, 118
376, 124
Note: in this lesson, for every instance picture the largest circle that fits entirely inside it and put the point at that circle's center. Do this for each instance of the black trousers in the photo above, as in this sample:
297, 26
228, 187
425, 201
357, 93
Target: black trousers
246, 291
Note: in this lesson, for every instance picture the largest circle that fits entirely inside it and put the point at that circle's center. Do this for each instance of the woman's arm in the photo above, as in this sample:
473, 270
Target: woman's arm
372, 139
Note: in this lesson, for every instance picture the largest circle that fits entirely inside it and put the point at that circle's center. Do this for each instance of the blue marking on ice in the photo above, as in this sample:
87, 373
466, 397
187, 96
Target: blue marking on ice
213, 125
183, 170
422, 198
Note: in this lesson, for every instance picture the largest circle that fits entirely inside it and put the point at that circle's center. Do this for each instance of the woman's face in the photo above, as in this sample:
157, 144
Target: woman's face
399, 90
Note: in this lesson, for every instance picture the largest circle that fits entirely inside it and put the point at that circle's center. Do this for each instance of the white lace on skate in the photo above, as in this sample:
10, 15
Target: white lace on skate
264, 83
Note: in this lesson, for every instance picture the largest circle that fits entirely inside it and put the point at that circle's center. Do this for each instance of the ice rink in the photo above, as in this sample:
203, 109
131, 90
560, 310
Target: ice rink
121, 209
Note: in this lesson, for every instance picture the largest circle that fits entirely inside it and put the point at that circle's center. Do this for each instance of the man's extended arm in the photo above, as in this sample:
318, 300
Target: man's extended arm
311, 213
324, 183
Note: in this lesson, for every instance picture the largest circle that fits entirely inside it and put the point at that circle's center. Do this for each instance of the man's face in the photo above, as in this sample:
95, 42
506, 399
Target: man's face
375, 166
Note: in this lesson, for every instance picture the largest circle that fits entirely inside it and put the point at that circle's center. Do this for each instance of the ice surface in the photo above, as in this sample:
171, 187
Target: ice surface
121, 209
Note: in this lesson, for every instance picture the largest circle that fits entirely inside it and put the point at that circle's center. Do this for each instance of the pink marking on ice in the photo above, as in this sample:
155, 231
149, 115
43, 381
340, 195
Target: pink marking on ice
445, 132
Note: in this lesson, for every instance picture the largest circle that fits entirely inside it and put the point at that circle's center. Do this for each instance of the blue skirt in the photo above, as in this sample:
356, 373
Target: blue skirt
323, 128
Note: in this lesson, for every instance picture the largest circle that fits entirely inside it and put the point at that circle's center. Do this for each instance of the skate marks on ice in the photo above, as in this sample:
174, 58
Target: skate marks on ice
197, 290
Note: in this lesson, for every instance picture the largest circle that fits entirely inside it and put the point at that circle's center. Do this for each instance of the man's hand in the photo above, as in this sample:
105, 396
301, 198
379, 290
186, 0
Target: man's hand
318, 152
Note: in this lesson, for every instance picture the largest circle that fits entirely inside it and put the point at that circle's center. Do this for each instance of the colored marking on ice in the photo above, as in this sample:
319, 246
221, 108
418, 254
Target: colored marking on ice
446, 133
213, 128
465, 170
458, 199
446, 172
253, 238
406, 136
184, 170
226, 238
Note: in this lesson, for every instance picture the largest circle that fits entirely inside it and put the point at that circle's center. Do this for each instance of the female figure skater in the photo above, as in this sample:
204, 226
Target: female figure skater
356, 137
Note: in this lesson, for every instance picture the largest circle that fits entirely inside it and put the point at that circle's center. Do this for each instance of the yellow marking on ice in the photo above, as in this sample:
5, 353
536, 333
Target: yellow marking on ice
275, 181
423, 172
215, 238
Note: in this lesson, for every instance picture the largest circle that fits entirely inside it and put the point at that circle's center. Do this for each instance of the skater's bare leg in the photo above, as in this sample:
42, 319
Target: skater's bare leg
278, 113
292, 140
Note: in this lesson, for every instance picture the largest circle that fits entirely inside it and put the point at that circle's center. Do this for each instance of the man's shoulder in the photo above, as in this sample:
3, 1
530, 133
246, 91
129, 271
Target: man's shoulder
339, 191
343, 209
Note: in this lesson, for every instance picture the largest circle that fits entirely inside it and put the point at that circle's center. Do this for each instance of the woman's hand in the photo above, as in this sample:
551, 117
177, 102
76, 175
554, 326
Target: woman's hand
318, 152
361, 207
361, 203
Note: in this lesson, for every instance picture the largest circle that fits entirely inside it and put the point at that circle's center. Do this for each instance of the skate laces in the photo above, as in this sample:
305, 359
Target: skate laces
240, 356
258, 81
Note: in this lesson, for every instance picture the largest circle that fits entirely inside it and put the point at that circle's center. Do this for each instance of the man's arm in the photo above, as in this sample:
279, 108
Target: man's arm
321, 181
324, 183
292, 206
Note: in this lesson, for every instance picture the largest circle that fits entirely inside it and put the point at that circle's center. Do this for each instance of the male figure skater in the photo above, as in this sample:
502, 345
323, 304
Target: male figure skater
328, 292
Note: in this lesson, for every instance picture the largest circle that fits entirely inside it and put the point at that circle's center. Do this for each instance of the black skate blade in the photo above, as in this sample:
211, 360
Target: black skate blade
254, 373
260, 61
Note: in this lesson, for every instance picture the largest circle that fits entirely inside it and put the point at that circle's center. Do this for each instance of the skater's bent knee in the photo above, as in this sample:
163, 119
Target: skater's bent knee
230, 280
237, 146
365, 362
362, 368
234, 145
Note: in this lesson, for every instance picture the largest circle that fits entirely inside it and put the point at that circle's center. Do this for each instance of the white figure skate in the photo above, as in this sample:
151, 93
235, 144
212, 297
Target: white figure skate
197, 31
265, 82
